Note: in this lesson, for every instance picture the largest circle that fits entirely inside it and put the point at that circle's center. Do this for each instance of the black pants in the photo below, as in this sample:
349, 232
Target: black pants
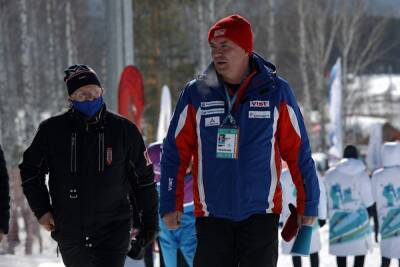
108, 249
78, 256
249, 243
314, 260
148, 256
386, 262
358, 261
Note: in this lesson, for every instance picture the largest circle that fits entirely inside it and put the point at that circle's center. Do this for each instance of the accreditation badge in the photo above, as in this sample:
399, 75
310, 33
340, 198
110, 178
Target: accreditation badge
227, 142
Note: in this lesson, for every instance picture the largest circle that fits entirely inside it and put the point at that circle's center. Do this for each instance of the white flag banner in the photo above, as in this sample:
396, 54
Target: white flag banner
165, 113
335, 110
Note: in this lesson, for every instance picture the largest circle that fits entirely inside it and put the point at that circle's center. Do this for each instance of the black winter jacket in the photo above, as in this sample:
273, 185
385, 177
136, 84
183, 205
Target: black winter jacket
4, 195
91, 166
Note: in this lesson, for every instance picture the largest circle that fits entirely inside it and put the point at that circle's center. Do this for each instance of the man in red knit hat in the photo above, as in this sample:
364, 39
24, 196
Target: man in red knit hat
238, 120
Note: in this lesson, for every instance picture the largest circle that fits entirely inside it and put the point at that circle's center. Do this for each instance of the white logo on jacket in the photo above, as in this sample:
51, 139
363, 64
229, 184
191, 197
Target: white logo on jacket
255, 114
212, 121
213, 111
212, 104
170, 183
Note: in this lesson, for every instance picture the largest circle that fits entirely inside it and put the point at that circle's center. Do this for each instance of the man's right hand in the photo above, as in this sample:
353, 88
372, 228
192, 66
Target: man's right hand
1, 235
47, 221
172, 220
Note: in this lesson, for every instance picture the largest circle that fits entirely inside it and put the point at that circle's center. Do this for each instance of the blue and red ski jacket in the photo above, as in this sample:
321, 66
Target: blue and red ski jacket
271, 128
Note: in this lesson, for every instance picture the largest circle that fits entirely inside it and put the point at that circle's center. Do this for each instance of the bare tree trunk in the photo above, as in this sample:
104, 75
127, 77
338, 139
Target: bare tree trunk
202, 35
52, 70
16, 201
129, 58
29, 228
32, 229
69, 33
34, 28
359, 44
58, 27
3, 69
13, 233
271, 44
321, 31
211, 11
156, 45
206, 17
26, 70
303, 68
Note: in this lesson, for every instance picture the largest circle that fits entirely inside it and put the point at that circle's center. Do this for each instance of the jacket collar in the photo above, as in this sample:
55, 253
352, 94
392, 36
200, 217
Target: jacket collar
89, 124
264, 78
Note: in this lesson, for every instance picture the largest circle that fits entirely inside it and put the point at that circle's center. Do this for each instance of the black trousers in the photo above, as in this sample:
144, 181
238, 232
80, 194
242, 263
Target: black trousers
314, 260
386, 262
108, 249
249, 243
78, 256
358, 261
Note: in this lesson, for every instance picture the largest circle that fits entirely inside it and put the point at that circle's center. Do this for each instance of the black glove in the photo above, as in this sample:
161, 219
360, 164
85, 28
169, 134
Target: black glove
147, 202
142, 240
321, 223
136, 220
145, 217
376, 230
372, 212
147, 234
136, 251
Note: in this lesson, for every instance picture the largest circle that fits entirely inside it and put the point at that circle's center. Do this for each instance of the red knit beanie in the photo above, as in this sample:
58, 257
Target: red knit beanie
235, 28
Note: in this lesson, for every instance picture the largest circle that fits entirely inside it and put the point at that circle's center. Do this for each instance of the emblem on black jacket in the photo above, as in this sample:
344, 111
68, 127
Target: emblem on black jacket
109, 156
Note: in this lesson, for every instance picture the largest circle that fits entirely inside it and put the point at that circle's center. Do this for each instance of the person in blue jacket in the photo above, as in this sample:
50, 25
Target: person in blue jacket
183, 238
237, 197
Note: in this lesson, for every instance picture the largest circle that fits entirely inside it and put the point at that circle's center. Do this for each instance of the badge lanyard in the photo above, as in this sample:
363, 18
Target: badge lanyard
228, 133
231, 102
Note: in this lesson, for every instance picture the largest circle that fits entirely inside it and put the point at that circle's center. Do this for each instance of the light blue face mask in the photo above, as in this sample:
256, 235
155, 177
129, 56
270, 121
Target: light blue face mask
89, 107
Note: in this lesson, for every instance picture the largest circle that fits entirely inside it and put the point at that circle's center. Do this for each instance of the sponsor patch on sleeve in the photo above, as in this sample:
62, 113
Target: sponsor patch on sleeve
255, 114
212, 121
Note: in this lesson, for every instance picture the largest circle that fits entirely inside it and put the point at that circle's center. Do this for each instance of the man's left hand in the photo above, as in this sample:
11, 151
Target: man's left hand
307, 220
147, 234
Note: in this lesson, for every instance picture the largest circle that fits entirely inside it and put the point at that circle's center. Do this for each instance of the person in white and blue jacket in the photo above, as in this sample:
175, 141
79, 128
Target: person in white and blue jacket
289, 196
386, 190
350, 206
237, 120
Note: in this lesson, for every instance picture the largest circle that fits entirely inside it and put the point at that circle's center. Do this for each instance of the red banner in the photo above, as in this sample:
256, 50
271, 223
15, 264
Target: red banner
131, 95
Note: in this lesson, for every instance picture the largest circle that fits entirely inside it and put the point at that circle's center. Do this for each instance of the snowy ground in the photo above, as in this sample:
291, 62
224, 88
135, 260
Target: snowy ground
49, 257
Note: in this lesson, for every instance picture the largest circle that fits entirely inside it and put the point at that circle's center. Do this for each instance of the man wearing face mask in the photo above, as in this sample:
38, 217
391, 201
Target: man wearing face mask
92, 157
